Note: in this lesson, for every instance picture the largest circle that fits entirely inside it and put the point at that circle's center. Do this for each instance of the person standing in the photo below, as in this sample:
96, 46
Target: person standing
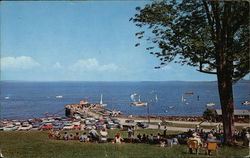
159, 125
165, 131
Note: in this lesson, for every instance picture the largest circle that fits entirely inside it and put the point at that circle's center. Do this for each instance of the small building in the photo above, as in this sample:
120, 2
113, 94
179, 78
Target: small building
239, 115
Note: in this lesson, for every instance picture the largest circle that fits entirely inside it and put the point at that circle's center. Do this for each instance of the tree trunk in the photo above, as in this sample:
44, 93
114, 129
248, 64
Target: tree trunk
227, 105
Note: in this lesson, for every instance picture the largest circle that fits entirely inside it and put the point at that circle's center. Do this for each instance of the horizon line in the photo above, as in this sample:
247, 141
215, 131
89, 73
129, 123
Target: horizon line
107, 81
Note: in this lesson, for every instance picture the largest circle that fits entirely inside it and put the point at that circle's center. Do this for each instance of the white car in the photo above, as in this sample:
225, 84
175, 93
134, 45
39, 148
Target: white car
17, 123
76, 123
10, 128
68, 127
24, 128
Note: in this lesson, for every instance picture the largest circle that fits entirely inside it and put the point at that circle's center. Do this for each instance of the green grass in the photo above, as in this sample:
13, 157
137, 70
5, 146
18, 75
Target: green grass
35, 144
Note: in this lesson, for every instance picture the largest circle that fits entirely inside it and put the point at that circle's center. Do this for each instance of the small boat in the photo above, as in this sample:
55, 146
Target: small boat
156, 98
183, 99
139, 102
189, 92
166, 111
59, 96
7, 97
246, 103
170, 107
210, 104
101, 102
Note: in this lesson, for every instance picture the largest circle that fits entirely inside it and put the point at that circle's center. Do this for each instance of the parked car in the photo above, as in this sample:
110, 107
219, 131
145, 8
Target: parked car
76, 127
35, 127
76, 123
88, 127
10, 128
58, 126
112, 126
24, 127
68, 127
130, 121
99, 126
46, 127
115, 120
143, 124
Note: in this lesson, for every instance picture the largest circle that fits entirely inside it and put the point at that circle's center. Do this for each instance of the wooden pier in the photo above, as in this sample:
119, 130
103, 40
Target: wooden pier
85, 108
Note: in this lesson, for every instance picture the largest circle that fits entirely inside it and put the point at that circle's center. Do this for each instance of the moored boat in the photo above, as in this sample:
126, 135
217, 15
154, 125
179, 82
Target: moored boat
246, 103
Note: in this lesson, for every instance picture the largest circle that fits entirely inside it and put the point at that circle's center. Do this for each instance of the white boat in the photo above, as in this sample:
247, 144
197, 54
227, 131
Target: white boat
59, 96
210, 104
7, 97
183, 99
246, 102
101, 102
139, 102
170, 107
156, 98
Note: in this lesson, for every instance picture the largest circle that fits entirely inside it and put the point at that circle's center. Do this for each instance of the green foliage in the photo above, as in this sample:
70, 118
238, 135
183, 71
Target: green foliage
204, 34
210, 115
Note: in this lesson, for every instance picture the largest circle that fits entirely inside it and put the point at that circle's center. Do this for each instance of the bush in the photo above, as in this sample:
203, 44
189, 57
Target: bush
210, 115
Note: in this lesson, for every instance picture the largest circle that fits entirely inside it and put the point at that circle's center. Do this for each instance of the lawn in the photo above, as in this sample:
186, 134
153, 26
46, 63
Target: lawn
35, 144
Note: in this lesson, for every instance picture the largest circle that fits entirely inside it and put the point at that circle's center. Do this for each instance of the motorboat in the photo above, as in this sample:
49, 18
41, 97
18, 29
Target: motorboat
210, 104
170, 107
189, 92
246, 103
59, 96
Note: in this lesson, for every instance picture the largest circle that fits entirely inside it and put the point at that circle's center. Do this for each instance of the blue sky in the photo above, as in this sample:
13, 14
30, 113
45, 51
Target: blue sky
79, 41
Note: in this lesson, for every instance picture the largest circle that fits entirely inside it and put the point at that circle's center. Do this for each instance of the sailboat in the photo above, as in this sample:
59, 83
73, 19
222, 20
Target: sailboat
139, 102
183, 99
156, 98
101, 102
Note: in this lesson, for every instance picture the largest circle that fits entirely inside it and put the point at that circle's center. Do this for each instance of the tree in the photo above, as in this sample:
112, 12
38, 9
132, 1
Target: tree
210, 35
210, 115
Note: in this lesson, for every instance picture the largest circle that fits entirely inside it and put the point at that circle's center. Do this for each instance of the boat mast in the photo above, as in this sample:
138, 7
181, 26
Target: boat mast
101, 100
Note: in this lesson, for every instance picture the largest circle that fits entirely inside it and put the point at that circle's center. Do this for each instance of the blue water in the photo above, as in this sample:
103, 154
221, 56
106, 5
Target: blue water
33, 99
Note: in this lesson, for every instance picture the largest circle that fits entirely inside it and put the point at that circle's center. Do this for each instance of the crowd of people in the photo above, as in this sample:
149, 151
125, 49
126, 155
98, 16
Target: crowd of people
162, 139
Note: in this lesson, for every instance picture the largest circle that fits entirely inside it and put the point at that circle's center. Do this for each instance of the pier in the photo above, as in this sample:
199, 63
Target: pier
89, 109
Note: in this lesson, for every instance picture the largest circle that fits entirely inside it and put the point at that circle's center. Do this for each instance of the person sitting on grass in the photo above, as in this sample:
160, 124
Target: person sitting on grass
162, 143
51, 134
138, 138
175, 141
104, 135
65, 136
151, 138
71, 137
83, 137
77, 136
94, 136
118, 138
144, 138
58, 136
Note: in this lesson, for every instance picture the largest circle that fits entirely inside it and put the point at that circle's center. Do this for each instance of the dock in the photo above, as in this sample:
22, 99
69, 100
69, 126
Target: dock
89, 109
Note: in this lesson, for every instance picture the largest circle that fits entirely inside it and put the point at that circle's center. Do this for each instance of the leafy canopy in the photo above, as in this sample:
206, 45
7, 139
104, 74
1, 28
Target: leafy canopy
196, 32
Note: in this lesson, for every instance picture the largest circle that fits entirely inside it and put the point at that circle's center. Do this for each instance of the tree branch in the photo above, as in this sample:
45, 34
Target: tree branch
211, 23
207, 72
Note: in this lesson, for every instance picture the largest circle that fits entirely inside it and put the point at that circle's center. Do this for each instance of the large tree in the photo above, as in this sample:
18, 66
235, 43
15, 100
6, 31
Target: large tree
210, 35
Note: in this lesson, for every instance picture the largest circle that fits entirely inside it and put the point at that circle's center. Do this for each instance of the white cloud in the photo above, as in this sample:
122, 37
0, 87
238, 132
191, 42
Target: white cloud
92, 64
16, 63
57, 65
